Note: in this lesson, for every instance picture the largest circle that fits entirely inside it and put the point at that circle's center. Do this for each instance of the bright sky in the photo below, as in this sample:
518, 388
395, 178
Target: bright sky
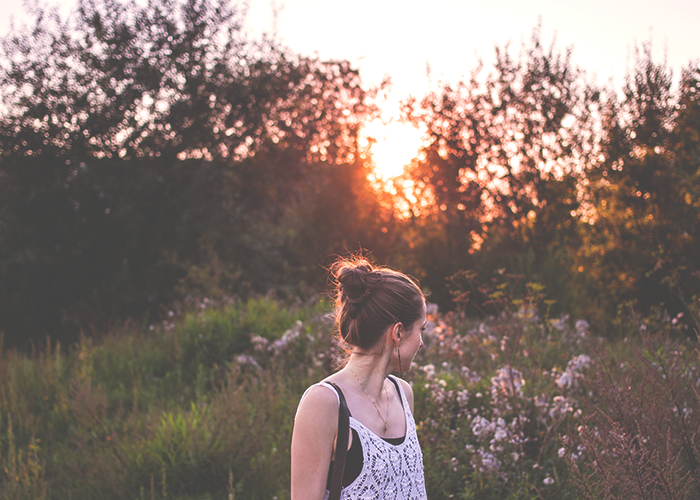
400, 38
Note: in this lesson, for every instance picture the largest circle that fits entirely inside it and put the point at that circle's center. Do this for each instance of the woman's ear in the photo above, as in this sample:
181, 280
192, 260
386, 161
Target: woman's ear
395, 332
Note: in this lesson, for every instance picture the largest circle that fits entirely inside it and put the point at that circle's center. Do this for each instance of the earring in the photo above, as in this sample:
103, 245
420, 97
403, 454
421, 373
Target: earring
398, 348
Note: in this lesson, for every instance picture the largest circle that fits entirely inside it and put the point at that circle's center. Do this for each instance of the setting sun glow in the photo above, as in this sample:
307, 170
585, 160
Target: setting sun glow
392, 145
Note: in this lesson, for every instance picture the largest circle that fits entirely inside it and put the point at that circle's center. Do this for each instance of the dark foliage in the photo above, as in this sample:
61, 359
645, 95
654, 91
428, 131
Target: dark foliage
152, 151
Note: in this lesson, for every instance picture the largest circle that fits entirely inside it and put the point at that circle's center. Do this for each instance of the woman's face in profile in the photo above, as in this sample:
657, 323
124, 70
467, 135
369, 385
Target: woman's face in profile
413, 340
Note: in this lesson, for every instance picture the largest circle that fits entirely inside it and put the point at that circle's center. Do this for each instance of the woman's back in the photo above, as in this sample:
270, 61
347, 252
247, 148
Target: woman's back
380, 315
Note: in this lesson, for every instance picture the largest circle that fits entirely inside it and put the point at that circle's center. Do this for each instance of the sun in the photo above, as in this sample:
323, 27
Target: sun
392, 146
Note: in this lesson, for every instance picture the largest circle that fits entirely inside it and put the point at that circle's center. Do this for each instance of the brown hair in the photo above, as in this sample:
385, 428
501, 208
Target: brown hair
370, 299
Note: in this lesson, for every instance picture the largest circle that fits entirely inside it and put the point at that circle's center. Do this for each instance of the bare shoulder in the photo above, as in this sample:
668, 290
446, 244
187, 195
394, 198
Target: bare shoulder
313, 442
316, 422
319, 402
408, 390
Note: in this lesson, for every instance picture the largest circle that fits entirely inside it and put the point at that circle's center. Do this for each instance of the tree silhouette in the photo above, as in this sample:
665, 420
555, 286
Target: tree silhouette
644, 193
148, 147
505, 156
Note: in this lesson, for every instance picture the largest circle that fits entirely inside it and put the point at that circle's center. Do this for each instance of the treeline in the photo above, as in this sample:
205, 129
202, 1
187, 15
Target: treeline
534, 168
151, 152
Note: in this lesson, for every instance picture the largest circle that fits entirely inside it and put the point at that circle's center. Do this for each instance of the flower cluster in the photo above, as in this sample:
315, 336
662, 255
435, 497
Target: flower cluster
573, 373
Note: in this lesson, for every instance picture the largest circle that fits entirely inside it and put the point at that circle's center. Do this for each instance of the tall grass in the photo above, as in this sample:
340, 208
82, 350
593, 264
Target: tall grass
177, 411
201, 406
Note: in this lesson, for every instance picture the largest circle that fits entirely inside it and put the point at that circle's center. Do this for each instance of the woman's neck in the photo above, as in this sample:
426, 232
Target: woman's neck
371, 370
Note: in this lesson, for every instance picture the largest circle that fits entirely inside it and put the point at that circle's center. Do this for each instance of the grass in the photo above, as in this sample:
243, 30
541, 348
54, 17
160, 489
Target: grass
201, 406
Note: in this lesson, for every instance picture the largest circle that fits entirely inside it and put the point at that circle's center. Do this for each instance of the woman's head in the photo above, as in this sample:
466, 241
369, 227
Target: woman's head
371, 299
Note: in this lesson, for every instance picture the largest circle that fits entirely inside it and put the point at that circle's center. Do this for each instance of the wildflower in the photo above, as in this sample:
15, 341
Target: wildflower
561, 452
561, 323
548, 480
260, 344
582, 327
482, 427
500, 435
578, 363
470, 376
573, 371
463, 398
429, 370
565, 380
244, 359
560, 407
485, 462
288, 337
507, 382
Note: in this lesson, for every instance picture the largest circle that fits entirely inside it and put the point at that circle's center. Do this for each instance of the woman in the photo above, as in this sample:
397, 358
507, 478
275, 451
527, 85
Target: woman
380, 315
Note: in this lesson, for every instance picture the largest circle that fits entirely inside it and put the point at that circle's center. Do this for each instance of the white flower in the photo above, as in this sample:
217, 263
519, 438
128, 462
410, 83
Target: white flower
463, 397
244, 359
470, 376
573, 371
560, 407
429, 370
484, 461
260, 344
581, 327
288, 337
507, 382
548, 480
482, 427
565, 380
500, 435
578, 363
561, 452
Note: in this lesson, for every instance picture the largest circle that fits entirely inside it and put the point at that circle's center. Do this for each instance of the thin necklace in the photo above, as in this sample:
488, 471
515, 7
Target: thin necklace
385, 420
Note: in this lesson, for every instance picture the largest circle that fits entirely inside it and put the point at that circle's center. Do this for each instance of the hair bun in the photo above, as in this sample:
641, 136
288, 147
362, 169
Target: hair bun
356, 282
353, 281
368, 299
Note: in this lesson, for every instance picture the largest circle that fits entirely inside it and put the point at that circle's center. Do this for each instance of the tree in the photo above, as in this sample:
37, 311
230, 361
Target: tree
642, 243
144, 147
504, 159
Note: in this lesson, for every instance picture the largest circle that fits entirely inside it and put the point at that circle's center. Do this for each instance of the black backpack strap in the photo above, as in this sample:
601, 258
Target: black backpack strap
341, 446
398, 389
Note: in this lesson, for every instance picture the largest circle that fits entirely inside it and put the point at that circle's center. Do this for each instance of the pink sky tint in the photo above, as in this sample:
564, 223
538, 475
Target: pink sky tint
398, 38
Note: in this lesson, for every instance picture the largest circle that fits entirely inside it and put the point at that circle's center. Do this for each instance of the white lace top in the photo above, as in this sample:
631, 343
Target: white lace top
389, 472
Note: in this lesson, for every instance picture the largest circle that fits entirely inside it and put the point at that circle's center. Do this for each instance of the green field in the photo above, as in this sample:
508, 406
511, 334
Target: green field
202, 405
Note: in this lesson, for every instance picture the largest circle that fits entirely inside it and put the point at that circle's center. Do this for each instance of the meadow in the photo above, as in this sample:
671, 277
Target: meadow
513, 404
